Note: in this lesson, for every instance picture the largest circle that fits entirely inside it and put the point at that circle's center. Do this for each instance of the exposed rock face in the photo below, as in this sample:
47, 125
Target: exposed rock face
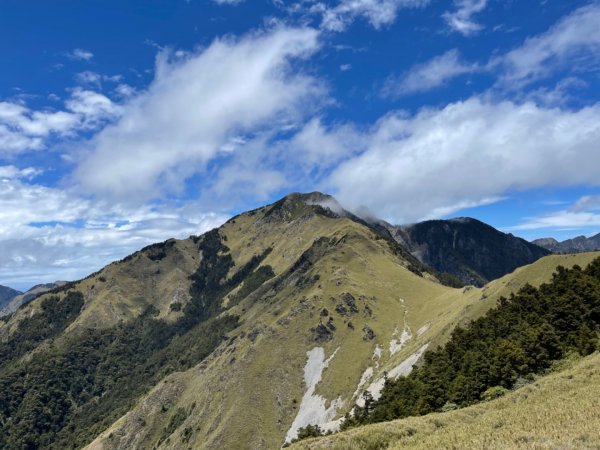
369, 333
350, 302
576, 245
322, 333
471, 250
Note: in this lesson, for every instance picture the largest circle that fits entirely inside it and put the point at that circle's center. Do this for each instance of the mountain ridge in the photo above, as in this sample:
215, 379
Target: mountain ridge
14, 303
290, 310
7, 294
575, 245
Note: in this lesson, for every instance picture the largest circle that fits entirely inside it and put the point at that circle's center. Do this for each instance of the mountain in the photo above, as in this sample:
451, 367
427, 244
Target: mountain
7, 294
472, 251
238, 338
575, 245
20, 298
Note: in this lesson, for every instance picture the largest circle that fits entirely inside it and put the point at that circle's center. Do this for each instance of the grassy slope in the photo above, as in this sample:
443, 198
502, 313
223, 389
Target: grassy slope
557, 411
477, 301
247, 393
123, 290
266, 375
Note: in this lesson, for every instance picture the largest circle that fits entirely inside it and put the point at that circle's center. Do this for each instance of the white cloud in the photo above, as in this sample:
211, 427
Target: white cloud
92, 108
124, 90
23, 129
467, 153
228, 2
583, 215
317, 146
80, 54
560, 221
558, 95
13, 172
89, 77
194, 106
587, 203
430, 75
573, 42
48, 234
461, 20
378, 13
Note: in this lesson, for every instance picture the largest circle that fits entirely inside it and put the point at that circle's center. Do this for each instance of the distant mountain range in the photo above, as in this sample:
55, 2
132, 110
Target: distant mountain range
7, 294
12, 302
576, 245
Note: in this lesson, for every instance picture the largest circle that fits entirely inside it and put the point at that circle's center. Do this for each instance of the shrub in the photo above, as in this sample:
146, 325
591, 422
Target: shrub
493, 392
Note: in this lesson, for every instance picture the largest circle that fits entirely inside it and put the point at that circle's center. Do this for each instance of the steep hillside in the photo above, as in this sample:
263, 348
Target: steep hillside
21, 298
471, 250
7, 294
556, 411
233, 339
575, 245
322, 375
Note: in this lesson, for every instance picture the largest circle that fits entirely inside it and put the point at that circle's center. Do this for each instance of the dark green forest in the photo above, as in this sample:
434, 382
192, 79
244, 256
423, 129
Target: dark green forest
518, 339
73, 387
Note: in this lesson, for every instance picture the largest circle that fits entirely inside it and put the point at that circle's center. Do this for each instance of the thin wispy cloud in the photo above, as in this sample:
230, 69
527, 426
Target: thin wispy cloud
378, 13
461, 19
574, 39
432, 74
583, 214
80, 54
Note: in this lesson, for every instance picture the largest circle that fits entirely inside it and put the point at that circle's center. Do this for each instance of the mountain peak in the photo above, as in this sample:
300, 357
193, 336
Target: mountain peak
299, 204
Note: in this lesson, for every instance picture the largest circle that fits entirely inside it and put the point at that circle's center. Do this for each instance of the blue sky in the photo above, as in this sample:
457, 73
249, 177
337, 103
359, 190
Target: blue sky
126, 123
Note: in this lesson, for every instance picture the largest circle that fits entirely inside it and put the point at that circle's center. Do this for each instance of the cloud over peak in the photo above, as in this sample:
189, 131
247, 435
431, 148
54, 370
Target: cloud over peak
467, 153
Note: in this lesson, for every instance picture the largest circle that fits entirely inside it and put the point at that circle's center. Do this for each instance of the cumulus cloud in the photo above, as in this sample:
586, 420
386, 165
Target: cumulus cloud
23, 129
194, 106
468, 153
461, 20
430, 75
574, 42
378, 13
